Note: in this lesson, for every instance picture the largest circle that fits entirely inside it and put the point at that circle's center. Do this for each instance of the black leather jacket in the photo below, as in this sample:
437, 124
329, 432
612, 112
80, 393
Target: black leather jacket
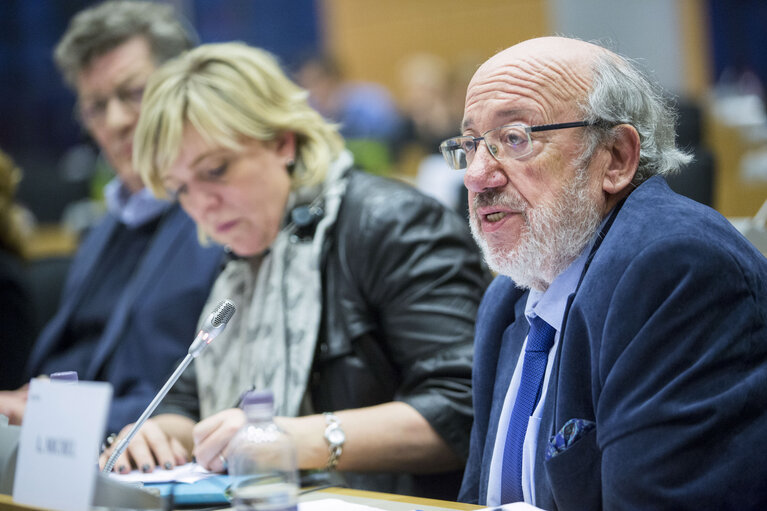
402, 280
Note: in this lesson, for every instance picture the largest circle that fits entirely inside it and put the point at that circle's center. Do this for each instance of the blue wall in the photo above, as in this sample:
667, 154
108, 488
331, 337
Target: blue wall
739, 37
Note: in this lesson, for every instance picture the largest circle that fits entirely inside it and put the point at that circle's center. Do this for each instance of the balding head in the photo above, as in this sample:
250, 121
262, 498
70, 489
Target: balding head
554, 72
569, 55
566, 77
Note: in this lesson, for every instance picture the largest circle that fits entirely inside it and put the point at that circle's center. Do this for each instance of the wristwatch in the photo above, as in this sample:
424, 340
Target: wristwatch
335, 438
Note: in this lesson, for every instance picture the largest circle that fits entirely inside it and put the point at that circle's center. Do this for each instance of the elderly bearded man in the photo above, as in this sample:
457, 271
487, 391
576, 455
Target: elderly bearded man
621, 354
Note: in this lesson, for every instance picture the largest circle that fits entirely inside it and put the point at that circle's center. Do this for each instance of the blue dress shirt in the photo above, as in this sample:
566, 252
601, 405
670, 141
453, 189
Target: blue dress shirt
132, 209
550, 306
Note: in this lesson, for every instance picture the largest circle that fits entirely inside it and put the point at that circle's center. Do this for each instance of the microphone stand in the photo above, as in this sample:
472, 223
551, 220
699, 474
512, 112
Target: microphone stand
123, 444
213, 326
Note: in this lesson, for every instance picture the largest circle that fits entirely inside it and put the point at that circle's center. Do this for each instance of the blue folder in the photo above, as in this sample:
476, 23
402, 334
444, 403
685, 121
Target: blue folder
209, 491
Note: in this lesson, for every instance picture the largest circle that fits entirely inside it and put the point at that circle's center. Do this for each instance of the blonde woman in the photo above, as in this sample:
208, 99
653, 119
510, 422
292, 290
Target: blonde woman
356, 295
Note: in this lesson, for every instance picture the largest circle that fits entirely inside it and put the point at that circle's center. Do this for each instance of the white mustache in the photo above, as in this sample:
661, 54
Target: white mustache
493, 198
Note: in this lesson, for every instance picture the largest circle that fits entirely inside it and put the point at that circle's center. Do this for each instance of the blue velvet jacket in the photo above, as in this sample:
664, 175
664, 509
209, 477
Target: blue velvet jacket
664, 347
156, 315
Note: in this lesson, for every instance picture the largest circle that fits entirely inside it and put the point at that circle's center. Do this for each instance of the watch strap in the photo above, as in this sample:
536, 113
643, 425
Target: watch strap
335, 446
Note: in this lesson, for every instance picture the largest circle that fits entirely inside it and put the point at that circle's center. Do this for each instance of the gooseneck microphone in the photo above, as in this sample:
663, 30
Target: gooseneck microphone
214, 325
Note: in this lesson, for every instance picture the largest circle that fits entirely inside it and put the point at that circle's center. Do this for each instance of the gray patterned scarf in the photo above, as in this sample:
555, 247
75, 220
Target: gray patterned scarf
270, 341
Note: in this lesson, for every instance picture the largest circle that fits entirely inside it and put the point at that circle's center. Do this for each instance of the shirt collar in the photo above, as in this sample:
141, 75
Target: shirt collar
133, 209
550, 305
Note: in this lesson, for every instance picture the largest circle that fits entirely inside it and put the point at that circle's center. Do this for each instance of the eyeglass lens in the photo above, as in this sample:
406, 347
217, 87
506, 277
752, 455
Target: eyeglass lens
95, 110
510, 141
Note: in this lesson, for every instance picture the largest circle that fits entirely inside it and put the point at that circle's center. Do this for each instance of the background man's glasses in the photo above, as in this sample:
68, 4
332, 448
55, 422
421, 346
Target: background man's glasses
94, 111
509, 142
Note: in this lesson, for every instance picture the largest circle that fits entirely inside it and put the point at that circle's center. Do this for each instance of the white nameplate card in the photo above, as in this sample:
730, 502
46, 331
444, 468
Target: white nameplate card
59, 444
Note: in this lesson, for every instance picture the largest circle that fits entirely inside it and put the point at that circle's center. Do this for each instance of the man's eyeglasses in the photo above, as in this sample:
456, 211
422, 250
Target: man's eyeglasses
509, 142
94, 111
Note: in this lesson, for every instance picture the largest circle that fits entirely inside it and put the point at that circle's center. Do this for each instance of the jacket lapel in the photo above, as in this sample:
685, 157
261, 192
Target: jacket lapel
151, 265
76, 284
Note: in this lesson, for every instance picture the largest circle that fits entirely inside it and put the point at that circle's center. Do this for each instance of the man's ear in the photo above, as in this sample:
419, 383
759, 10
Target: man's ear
624, 160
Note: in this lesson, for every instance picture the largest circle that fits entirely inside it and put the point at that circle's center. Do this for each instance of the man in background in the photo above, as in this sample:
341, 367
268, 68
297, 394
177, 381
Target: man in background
139, 280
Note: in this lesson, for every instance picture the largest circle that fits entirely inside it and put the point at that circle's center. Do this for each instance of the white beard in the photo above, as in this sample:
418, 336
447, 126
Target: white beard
552, 238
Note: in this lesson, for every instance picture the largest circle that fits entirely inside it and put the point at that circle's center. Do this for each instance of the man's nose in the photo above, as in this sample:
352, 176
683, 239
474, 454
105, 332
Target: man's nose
484, 172
118, 114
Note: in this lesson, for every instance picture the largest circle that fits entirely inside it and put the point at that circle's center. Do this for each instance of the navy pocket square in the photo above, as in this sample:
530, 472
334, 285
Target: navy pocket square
571, 432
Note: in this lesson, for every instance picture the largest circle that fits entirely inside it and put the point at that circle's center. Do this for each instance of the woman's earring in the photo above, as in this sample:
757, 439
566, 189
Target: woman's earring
291, 166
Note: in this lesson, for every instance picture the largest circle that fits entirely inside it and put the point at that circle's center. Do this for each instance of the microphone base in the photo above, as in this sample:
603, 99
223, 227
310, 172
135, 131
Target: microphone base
116, 495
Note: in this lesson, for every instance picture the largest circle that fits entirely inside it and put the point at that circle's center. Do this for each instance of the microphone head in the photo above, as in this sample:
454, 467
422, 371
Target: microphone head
217, 320
214, 325
223, 313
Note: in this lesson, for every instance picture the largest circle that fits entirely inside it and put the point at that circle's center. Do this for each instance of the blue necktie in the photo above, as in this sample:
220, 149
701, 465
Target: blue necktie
539, 342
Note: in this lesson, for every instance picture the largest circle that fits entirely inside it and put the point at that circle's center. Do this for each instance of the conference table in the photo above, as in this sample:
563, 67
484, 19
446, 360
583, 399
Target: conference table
384, 501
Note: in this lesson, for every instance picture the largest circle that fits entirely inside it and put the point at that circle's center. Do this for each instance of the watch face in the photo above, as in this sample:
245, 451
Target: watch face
336, 436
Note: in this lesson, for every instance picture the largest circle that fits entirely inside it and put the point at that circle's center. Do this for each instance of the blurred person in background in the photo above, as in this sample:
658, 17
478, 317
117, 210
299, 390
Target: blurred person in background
16, 305
139, 280
431, 110
356, 294
366, 112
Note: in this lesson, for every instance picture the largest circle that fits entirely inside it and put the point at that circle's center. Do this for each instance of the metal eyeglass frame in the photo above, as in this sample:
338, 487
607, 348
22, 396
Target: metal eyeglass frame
451, 144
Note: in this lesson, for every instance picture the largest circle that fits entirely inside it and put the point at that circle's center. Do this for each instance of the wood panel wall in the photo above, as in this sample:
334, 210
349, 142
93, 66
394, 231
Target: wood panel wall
370, 38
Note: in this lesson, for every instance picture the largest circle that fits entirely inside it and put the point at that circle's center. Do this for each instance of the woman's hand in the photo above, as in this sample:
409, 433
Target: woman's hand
212, 437
13, 403
151, 446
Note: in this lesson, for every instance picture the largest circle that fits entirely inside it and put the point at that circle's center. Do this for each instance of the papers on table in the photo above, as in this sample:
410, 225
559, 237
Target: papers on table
189, 473
516, 506
334, 505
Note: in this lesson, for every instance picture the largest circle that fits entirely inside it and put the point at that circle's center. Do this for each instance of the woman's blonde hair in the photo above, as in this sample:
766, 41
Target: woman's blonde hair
229, 92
